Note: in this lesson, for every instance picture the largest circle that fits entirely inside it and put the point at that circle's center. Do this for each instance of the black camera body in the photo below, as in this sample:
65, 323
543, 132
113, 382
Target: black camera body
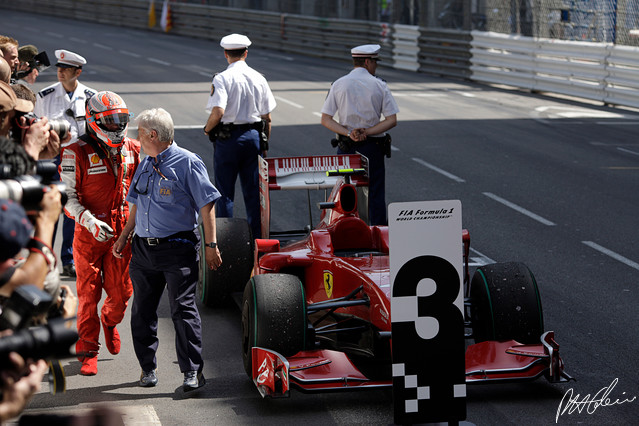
26, 302
51, 341
28, 190
61, 127
39, 62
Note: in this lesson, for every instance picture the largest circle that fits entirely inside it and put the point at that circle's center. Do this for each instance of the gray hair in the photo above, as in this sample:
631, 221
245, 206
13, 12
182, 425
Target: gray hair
159, 120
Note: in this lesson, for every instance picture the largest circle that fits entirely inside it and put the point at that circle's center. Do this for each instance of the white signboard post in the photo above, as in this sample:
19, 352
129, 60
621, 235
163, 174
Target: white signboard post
426, 270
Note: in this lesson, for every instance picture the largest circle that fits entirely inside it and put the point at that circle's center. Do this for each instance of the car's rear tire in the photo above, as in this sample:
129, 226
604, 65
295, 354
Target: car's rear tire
236, 249
505, 304
273, 316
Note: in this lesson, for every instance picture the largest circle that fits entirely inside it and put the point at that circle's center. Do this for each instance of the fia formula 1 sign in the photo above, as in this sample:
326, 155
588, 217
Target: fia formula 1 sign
426, 267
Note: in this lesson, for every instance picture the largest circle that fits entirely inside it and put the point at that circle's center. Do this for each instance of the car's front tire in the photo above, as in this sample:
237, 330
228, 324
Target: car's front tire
273, 316
505, 304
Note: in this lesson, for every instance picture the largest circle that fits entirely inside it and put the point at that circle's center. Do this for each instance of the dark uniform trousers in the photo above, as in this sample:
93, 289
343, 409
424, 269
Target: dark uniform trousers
172, 264
238, 155
377, 178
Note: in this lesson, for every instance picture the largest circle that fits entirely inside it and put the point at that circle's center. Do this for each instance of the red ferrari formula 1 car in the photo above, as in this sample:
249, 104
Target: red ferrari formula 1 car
316, 310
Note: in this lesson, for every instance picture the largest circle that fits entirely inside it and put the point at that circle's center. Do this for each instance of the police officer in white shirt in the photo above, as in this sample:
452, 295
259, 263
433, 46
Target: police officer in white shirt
361, 100
66, 100
240, 108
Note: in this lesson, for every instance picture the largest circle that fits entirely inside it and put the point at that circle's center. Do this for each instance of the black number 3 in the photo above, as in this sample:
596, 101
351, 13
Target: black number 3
428, 373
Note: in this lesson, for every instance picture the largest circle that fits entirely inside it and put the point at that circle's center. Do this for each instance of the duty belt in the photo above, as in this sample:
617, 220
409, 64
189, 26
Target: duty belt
244, 127
182, 235
346, 144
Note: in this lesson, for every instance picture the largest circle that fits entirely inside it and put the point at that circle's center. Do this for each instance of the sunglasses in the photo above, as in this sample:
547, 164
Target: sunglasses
148, 178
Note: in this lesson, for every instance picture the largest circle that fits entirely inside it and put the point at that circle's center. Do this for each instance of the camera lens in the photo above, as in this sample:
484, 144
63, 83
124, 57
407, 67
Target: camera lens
61, 127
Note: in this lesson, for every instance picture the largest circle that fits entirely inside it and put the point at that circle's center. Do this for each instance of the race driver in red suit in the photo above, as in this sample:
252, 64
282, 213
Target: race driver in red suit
97, 170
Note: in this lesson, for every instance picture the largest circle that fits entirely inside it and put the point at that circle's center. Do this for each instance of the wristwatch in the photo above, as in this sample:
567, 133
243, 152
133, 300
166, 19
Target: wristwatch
212, 245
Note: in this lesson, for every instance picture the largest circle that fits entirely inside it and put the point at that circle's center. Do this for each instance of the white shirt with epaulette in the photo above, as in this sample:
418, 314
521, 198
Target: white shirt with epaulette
53, 102
243, 94
360, 99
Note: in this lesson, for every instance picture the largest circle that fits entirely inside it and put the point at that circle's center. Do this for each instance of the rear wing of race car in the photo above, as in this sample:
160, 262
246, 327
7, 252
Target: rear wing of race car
309, 173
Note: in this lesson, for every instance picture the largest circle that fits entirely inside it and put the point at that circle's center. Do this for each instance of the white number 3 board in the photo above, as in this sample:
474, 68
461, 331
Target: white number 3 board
427, 318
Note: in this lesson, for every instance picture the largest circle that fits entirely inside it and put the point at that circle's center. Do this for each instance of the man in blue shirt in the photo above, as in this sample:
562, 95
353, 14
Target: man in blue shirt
170, 188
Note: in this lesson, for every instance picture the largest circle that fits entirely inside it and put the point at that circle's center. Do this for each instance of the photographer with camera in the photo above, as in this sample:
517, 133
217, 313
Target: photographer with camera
31, 64
15, 230
19, 382
65, 101
17, 122
22, 281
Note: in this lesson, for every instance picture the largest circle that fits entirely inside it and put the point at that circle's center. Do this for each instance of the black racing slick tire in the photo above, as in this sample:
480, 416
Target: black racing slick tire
273, 316
505, 304
236, 244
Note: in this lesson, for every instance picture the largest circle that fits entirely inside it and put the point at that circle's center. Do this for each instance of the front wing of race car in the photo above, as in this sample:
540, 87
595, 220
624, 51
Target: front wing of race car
327, 370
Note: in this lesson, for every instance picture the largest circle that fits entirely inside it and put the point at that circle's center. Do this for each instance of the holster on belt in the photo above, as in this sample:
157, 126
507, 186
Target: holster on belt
385, 144
223, 131
344, 143
260, 126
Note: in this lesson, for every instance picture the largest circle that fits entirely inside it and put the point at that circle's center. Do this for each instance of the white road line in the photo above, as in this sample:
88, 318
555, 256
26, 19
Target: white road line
205, 74
189, 126
614, 144
485, 258
627, 151
438, 170
612, 254
127, 53
286, 58
319, 114
418, 95
103, 46
78, 40
199, 68
519, 209
291, 103
56, 35
157, 61
617, 123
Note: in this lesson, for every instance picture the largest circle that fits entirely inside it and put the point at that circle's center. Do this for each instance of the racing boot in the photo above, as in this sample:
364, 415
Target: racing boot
111, 337
87, 353
89, 366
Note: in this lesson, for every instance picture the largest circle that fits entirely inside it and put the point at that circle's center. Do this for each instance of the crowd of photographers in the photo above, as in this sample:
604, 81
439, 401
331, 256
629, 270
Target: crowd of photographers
36, 309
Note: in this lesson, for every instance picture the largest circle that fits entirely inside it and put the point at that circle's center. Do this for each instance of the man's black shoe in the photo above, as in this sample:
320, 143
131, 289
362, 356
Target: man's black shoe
193, 380
148, 379
69, 270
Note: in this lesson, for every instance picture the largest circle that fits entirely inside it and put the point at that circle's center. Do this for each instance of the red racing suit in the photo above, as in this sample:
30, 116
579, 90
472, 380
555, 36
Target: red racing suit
98, 178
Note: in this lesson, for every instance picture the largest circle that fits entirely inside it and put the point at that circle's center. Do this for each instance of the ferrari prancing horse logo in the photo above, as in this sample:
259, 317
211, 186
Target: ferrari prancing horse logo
328, 283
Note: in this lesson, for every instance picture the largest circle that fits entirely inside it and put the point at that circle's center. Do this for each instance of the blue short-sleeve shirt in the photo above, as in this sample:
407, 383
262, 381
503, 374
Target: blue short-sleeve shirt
169, 192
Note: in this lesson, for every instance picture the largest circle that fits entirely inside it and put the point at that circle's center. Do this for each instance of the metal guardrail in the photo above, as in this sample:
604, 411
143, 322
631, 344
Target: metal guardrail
598, 71
308, 35
445, 52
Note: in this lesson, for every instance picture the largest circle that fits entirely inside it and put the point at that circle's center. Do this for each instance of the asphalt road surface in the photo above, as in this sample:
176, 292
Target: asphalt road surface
548, 181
